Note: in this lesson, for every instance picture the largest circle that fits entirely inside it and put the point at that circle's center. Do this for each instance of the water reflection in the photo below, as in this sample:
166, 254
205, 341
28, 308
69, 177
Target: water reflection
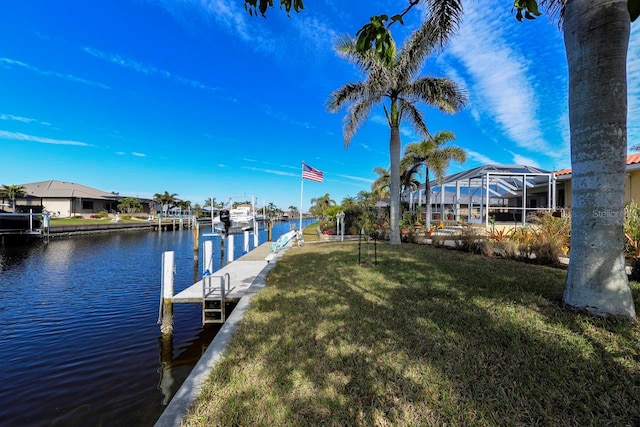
80, 344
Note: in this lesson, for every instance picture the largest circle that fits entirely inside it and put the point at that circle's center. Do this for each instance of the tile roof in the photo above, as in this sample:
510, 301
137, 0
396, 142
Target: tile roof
632, 159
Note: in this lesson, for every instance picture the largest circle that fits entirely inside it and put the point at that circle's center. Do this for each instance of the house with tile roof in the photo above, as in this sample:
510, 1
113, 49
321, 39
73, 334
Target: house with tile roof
631, 186
508, 192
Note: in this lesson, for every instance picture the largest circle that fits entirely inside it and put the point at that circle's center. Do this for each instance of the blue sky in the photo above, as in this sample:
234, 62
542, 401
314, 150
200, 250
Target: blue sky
200, 99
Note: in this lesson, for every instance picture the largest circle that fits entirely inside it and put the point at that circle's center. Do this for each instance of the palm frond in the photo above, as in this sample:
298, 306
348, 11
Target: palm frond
358, 112
445, 17
414, 115
443, 93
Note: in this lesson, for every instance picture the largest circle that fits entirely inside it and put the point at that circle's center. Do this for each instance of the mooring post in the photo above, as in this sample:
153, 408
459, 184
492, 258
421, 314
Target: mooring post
269, 230
166, 309
246, 241
207, 257
255, 236
196, 240
230, 250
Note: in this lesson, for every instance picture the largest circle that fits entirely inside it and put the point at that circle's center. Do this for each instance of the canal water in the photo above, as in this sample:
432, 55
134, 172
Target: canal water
80, 344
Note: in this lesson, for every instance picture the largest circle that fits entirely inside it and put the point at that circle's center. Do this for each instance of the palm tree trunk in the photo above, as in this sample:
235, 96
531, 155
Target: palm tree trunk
427, 198
596, 34
394, 172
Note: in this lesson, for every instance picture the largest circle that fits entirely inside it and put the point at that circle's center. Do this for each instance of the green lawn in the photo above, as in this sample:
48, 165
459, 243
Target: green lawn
91, 221
427, 337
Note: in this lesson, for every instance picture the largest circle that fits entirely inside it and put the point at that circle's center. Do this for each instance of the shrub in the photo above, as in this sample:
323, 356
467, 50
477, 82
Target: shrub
551, 236
102, 214
125, 216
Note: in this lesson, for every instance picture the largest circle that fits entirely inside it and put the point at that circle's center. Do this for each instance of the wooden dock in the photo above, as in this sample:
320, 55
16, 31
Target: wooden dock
242, 272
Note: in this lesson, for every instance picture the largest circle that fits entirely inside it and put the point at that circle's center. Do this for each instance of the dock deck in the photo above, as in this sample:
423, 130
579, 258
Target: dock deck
242, 273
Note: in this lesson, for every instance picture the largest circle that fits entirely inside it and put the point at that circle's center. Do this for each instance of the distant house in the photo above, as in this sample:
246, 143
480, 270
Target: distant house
66, 199
508, 192
631, 186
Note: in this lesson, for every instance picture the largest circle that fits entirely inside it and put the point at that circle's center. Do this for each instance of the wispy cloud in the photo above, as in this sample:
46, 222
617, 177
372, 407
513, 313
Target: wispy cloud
138, 154
633, 95
357, 178
17, 136
480, 158
270, 171
522, 160
22, 119
146, 69
8, 62
500, 77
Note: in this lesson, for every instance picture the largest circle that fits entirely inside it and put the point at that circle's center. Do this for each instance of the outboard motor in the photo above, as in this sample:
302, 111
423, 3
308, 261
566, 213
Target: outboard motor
225, 217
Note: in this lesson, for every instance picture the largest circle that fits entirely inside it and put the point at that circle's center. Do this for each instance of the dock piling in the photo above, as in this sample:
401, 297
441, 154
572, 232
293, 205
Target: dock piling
166, 308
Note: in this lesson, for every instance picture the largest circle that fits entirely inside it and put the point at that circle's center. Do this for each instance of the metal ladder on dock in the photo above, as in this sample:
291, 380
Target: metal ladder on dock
214, 292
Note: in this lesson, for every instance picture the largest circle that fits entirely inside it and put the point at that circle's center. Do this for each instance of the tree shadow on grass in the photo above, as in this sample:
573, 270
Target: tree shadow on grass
428, 337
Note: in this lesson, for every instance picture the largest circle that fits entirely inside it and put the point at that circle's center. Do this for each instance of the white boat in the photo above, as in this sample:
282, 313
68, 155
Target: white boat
241, 219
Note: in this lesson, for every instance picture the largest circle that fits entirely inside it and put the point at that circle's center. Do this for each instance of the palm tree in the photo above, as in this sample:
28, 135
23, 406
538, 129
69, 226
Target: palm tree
596, 36
321, 204
408, 179
12, 192
165, 199
366, 198
431, 154
349, 201
394, 80
381, 185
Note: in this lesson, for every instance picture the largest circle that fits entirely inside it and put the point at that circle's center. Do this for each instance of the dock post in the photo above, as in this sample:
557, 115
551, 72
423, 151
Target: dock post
196, 240
255, 236
269, 230
246, 242
230, 248
166, 310
207, 257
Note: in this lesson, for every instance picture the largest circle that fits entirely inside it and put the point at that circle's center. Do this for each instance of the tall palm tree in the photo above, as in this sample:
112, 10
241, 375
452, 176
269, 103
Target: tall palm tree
165, 199
432, 154
12, 192
596, 37
321, 204
393, 82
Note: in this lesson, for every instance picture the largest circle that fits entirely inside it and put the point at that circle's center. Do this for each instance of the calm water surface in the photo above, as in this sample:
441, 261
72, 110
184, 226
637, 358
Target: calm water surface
80, 344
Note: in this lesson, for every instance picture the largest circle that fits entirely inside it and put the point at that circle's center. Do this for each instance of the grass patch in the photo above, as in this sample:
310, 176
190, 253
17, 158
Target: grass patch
428, 337
59, 222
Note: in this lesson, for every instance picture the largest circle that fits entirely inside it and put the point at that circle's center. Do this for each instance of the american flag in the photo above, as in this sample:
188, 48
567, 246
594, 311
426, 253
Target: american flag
312, 174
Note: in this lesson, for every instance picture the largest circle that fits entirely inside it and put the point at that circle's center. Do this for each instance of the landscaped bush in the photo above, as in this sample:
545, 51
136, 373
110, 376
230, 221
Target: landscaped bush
125, 216
102, 214
632, 234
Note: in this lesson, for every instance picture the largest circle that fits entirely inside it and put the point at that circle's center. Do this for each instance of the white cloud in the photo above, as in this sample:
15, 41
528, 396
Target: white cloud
633, 95
522, 160
145, 69
22, 119
480, 158
138, 154
270, 171
357, 178
17, 136
500, 78
8, 62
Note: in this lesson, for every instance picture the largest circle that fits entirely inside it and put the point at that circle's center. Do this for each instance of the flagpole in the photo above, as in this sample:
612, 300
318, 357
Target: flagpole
301, 191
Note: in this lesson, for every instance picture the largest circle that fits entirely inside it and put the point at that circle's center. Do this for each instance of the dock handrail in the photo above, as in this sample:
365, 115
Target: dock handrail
214, 297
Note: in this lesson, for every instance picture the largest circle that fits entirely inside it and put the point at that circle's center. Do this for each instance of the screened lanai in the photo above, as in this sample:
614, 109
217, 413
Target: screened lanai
506, 193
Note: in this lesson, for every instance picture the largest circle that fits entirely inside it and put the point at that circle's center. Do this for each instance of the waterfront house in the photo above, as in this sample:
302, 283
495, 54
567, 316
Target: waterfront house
66, 199
508, 192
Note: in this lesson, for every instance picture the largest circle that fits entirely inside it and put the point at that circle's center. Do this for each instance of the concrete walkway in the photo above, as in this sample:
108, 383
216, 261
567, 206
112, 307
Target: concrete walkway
250, 272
